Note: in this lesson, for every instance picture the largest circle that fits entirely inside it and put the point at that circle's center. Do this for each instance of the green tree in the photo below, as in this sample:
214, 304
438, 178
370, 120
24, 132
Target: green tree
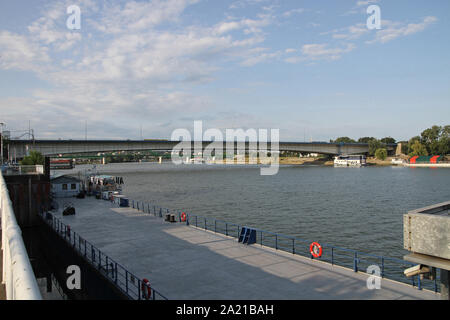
431, 134
344, 140
444, 146
411, 143
444, 141
34, 158
418, 149
430, 138
381, 154
388, 140
436, 140
366, 139
404, 146
374, 145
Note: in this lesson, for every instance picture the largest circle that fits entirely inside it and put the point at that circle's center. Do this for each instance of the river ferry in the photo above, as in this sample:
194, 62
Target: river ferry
398, 161
101, 184
350, 161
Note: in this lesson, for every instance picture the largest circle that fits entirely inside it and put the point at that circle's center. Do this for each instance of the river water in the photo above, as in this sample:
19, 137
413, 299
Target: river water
355, 208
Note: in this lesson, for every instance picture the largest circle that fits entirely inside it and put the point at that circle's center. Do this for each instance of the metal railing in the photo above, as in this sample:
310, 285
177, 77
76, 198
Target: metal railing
18, 277
16, 170
358, 261
128, 283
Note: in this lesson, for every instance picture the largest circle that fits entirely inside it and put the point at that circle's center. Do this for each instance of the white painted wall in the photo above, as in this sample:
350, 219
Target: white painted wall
59, 192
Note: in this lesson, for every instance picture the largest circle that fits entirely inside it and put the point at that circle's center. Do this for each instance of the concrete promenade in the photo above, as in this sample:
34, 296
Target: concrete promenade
183, 262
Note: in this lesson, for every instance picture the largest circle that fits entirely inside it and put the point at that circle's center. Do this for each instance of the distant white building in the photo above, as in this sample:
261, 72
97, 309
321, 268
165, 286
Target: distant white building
65, 186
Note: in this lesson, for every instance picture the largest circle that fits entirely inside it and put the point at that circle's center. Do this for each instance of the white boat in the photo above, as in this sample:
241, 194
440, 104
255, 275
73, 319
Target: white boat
397, 161
103, 185
197, 160
350, 161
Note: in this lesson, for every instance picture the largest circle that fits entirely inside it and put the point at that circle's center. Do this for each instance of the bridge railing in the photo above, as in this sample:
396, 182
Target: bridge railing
358, 261
18, 277
128, 283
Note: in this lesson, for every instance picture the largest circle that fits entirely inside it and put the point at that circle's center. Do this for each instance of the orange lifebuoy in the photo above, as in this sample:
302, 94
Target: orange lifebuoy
316, 249
146, 289
183, 217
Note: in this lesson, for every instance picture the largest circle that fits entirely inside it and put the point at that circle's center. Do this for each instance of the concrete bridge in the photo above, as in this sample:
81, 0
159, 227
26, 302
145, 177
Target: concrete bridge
20, 148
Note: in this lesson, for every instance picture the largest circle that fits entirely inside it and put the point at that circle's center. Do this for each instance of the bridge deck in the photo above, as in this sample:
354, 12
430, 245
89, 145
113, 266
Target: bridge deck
183, 262
21, 148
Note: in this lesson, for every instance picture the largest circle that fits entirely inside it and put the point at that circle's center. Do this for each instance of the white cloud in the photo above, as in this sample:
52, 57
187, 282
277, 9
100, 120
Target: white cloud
18, 52
50, 30
360, 7
293, 11
352, 32
390, 30
141, 61
361, 3
260, 56
226, 27
393, 30
314, 52
249, 25
126, 68
244, 3
322, 51
138, 16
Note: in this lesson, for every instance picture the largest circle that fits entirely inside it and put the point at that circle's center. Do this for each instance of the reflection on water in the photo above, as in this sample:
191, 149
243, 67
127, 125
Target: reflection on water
357, 208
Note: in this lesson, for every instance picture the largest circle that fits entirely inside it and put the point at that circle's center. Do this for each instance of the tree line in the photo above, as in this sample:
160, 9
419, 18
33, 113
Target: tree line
432, 141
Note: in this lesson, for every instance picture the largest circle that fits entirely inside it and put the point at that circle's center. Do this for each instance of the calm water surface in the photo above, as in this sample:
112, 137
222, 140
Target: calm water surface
356, 208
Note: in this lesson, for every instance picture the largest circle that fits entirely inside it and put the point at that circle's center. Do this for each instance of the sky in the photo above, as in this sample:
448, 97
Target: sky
312, 69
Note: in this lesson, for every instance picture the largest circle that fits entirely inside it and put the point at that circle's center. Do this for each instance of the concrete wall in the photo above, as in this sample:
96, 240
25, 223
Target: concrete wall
426, 231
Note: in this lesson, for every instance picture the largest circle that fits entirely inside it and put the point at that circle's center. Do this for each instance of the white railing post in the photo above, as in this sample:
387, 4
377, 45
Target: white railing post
18, 277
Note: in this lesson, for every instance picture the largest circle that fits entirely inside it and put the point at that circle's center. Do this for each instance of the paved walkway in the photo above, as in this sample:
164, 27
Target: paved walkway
183, 262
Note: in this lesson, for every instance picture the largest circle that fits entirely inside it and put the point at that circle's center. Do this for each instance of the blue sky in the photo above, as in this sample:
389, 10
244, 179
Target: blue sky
309, 68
